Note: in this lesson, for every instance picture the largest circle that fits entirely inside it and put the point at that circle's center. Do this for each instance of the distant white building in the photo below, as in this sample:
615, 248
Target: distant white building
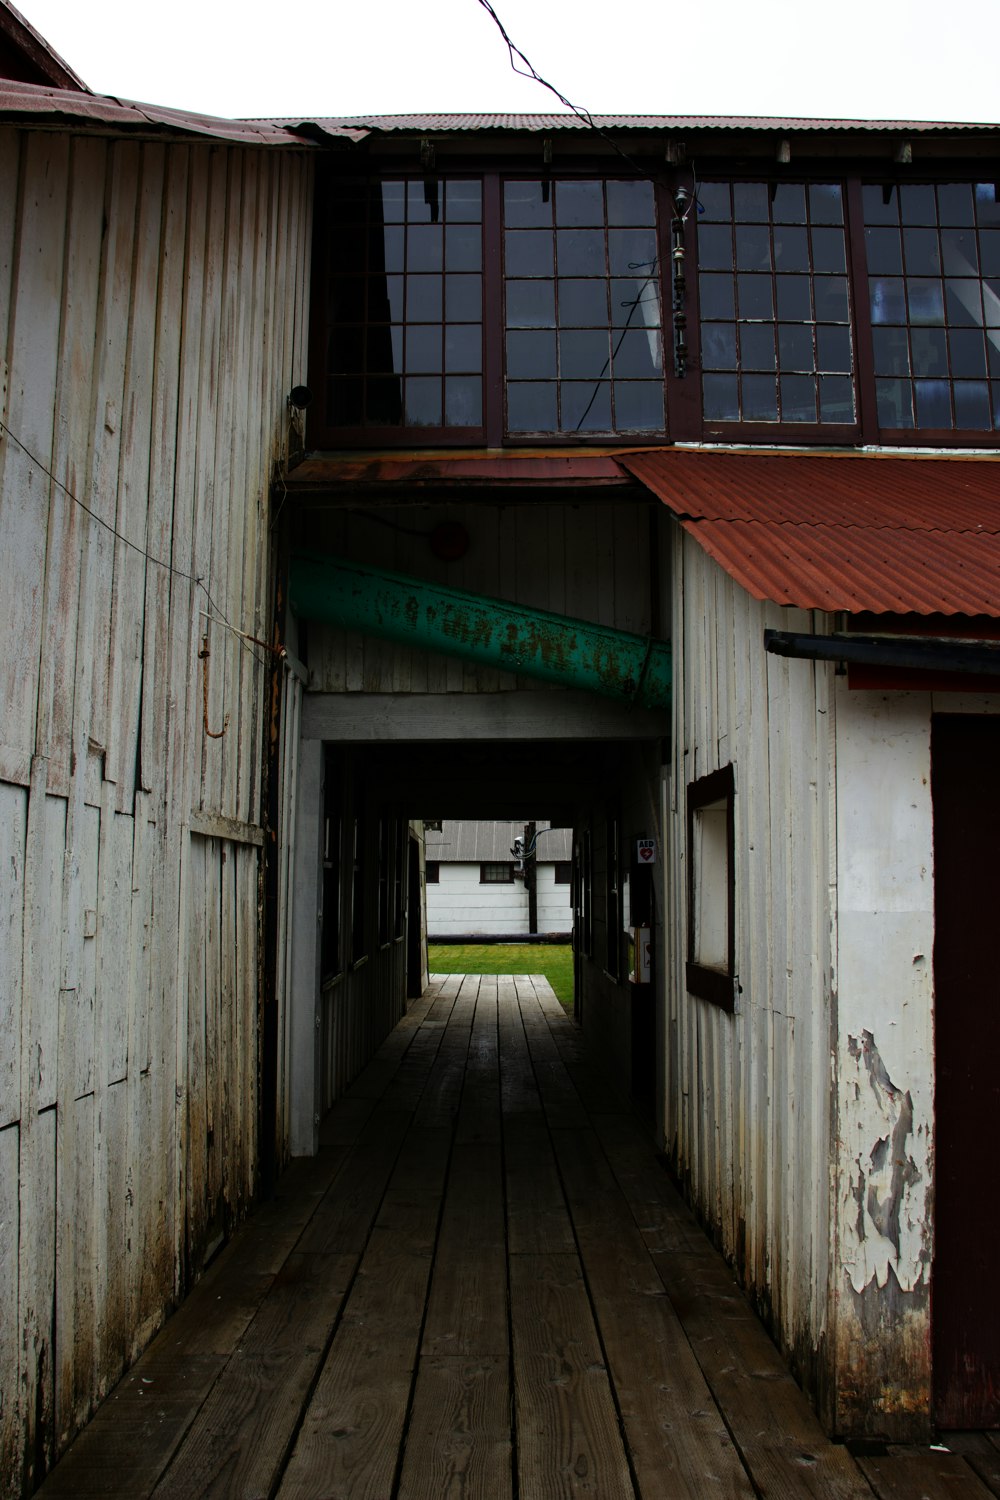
476, 888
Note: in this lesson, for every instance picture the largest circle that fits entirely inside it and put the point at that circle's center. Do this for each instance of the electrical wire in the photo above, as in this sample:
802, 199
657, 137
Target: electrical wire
219, 614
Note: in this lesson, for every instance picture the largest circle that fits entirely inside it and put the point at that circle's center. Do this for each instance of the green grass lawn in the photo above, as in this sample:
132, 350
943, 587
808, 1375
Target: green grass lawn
554, 960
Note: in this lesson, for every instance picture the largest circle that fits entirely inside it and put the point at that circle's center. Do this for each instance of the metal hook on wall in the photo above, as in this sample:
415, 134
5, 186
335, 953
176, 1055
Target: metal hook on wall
203, 655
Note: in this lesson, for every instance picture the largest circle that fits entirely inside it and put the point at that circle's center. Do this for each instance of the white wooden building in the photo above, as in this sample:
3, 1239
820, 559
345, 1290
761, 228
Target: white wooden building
477, 886
830, 962
252, 641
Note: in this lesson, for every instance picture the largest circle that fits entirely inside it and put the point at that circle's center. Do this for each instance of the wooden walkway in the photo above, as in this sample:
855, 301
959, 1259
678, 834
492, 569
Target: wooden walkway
484, 1288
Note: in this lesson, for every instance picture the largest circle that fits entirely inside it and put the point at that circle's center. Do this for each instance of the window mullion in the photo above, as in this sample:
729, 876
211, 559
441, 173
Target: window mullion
493, 321
864, 354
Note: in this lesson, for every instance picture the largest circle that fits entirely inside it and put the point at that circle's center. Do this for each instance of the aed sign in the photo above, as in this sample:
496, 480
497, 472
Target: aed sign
645, 850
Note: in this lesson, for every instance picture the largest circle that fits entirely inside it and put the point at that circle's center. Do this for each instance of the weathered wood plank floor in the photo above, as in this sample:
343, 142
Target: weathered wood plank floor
483, 1288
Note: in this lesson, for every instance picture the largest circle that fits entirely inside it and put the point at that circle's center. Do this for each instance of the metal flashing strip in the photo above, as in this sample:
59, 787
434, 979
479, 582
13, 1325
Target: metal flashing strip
978, 658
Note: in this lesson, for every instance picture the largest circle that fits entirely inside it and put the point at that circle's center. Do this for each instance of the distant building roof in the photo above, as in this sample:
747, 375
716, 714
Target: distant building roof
389, 124
461, 841
916, 534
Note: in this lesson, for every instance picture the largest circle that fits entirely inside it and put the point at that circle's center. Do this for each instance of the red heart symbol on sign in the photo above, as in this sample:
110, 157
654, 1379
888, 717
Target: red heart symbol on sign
645, 853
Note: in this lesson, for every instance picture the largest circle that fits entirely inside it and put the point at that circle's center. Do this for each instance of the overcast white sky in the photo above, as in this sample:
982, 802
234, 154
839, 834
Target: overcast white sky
886, 59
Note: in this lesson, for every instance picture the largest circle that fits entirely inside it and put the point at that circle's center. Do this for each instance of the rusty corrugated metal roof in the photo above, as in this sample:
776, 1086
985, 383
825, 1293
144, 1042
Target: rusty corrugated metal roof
328, 470
853, 532
42, 104
39, 55
388, 124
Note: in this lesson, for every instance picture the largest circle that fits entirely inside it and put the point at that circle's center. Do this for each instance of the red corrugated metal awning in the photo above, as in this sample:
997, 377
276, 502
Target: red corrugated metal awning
889, 534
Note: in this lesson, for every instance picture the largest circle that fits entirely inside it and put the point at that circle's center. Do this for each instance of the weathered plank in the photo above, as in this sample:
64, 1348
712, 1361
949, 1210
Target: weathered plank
905, 1475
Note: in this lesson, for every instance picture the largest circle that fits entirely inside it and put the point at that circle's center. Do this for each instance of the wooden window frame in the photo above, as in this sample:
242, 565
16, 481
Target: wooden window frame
709, 982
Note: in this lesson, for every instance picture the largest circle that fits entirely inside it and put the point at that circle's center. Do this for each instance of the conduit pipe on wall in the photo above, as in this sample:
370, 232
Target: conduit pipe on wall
492, 632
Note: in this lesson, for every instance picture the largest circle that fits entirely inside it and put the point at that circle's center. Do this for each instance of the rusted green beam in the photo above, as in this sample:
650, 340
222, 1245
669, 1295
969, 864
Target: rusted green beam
534, 642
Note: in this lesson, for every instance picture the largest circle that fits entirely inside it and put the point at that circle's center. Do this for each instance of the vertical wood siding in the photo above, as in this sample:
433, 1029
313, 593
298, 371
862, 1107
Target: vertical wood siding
152, 314
748, 1111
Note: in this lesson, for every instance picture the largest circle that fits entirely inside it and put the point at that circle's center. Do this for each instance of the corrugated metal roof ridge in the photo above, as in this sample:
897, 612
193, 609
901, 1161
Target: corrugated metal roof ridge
501, 121
472, 841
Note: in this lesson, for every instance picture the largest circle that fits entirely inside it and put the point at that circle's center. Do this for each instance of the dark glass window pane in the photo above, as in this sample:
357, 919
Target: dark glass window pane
531, 406
958, 251
423, 202
635, 301
344, 402
531, 355
795, 346
920, 248
989, 244
968, 352
423, 299
347, 299
753, 247
393, 202
830, 297
583, 304
895, 403
718, 346
528, 252
423, 350
930, 351
463, 247
639, 406
579, 203
463, 401
631, 250
463, 347
788, 205
825, 204
888, 302
793, 298
972, 405
424, 247
756, 347
917, 205
718, 299
963, 300
828, 250
464, 202
715, 247
346, 352
955, 203
584, 354
384, 402
991, 303
713, 199
760, 398
463, 301
798, 398
987, 206
525, 207
885, 257
423, 402
791, 248
720, 400
833, 348
388, 248
630, 203
933, 402
638, 354
586, 406
993, 352
995, 391
836, 398
580, 252
925, 300
880, 206
531, 304
892, 354
750, 200
754, 296
384, 349
393, 286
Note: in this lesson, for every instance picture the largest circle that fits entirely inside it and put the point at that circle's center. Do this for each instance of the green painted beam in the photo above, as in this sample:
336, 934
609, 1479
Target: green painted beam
534, 642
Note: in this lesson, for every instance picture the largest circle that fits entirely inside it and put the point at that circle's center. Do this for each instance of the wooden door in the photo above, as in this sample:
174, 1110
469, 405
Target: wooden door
965, 1285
